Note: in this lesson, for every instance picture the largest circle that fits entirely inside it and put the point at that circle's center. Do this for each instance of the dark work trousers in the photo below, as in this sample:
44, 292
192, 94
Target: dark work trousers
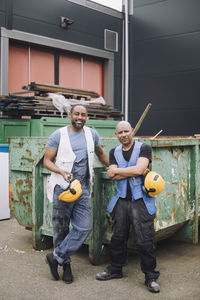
133, 213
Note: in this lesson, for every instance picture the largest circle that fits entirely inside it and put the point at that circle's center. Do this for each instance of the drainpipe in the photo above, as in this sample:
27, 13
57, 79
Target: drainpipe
123, 69
126, 59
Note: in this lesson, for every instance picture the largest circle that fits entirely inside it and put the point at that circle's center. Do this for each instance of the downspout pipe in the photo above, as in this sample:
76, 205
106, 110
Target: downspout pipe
123, 70
126, 59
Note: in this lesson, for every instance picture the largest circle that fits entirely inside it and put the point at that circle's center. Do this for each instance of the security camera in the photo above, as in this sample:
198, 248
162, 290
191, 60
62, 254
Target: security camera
64, 22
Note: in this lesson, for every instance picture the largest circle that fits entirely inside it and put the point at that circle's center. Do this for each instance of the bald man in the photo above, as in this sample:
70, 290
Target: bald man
131, 206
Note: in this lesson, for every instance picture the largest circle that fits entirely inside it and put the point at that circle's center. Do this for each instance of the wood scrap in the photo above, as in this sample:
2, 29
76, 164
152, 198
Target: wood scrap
40, 104
47, 88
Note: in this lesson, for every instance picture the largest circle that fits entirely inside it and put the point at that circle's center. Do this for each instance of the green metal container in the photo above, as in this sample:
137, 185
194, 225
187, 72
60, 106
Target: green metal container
46, 125
176, 159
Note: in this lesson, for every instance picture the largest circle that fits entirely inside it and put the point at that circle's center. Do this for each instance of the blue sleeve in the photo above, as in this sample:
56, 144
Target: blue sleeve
96, 138
54, 140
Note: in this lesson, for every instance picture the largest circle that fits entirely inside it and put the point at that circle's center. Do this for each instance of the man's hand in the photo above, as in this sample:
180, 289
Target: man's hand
67, 175
111, 171
146, 171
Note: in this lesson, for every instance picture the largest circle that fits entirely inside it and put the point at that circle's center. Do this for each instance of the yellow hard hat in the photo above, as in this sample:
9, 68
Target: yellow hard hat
72, 193
154, 183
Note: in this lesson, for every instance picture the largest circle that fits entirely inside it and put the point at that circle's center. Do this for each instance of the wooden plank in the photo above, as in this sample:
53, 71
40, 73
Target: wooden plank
33, 86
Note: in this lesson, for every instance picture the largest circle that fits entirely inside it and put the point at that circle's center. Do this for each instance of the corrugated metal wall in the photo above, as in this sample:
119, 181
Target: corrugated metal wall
165, 42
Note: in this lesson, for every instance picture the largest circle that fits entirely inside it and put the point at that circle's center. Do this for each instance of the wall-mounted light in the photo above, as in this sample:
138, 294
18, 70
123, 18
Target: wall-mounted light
65, 22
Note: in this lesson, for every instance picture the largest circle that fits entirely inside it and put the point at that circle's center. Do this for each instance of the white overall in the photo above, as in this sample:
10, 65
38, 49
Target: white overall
65, 159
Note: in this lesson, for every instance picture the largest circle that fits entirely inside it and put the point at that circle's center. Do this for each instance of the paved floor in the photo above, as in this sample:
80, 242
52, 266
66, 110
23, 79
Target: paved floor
24, 274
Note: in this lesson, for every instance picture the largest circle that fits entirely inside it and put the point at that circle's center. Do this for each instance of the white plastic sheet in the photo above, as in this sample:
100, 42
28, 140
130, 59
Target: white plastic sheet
64, 104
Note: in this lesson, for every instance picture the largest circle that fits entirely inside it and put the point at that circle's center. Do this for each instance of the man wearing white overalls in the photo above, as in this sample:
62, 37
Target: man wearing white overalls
73, 149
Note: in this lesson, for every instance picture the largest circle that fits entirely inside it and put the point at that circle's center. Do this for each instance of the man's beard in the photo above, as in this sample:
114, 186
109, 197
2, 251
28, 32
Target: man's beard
78, 126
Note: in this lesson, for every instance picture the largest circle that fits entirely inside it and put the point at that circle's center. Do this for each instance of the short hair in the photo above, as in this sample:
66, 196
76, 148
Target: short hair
73, 106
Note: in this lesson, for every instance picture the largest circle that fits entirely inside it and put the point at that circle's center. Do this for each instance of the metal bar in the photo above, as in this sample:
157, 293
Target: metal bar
169, 142
4, 49
197, 196
56, 66
156, 134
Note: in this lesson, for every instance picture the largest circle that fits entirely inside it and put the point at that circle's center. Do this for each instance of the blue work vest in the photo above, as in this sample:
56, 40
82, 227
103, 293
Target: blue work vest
135, 183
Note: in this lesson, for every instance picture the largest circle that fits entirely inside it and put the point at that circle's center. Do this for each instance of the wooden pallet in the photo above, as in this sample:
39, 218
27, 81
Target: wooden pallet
38, 106
37, 113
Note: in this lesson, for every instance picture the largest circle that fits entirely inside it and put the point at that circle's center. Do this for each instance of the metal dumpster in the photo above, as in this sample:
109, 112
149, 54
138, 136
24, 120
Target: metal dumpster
177, 159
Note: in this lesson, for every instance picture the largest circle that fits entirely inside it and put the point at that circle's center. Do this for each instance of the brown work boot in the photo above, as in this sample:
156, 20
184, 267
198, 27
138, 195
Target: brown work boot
53, 265
67, 273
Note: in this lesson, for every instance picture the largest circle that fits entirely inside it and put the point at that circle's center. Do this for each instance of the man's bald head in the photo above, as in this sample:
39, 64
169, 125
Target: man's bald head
123, 124
124, 133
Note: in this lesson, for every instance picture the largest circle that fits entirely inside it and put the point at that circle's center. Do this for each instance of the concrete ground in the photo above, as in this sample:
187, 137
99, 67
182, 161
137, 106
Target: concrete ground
24, 274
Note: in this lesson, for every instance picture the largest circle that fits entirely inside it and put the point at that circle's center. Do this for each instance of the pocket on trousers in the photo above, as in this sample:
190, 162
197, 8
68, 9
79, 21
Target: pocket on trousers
148, 225
144, 226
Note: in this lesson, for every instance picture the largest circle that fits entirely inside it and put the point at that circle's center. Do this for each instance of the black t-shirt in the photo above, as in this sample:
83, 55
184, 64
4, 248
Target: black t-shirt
145, 151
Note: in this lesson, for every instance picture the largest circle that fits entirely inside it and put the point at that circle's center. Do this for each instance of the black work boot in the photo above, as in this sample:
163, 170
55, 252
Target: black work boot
110, 273
152, 286
67, 273
53, 265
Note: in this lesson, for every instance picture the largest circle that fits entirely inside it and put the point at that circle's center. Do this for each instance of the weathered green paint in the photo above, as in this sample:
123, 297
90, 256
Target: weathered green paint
46, 125
177, 160
25, 176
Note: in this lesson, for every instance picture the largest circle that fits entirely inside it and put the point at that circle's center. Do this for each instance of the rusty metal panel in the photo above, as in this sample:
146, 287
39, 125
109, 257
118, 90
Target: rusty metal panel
22, 197
175, 159
173, 203
25, 156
